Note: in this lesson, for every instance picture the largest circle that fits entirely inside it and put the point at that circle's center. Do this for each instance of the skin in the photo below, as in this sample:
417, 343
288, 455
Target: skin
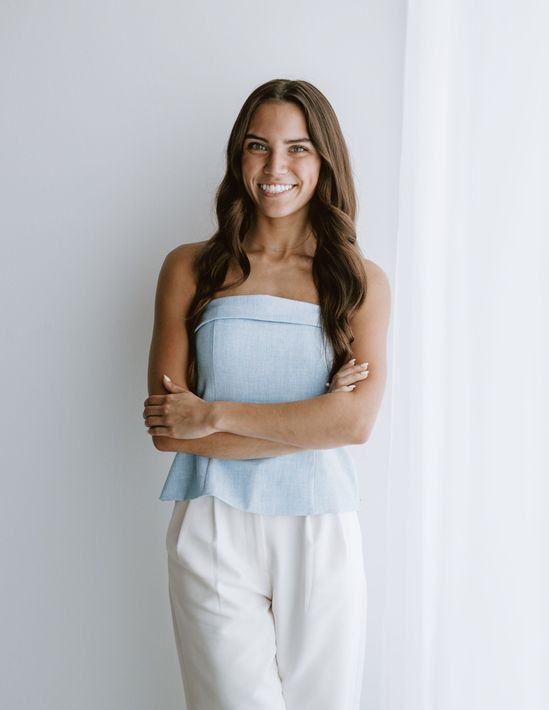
176, 418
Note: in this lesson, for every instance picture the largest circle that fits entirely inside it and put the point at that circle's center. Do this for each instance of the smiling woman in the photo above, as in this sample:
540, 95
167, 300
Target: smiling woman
256, 328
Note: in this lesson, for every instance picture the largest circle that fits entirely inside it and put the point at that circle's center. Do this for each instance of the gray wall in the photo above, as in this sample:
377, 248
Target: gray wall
114, 122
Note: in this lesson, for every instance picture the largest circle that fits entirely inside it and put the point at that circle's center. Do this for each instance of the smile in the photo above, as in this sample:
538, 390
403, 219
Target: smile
275, 189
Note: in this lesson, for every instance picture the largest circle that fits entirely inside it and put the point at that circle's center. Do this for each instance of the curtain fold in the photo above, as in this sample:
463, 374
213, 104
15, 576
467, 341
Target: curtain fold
466, 621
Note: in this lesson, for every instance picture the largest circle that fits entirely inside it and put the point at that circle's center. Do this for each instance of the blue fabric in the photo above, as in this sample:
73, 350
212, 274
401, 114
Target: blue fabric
263, 348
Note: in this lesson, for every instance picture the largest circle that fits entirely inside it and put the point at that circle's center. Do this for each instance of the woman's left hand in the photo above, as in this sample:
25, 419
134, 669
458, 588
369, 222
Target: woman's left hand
179, 414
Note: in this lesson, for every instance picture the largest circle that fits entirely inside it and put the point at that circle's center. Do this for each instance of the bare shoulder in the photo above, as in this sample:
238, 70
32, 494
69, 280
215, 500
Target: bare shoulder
375, 273
186, 250
378, 292
181, 257
176, 273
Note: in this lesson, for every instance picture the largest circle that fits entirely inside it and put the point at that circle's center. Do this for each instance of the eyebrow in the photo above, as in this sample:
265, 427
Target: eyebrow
295, 140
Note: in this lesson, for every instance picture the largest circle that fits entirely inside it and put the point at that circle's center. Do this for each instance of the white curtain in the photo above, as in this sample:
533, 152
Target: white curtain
466, 621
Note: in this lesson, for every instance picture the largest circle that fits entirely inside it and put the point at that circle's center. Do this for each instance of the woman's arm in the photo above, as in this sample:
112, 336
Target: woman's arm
233, 446
224, 445
169, 352
323, 422
336, 419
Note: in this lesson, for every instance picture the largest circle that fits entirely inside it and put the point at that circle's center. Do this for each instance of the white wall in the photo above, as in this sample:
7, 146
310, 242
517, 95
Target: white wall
115, 117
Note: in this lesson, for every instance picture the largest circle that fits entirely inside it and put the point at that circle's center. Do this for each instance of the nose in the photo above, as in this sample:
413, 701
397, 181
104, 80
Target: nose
276, 163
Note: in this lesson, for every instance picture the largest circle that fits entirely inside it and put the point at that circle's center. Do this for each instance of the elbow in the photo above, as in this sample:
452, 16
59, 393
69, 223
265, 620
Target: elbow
161, 443
361, 433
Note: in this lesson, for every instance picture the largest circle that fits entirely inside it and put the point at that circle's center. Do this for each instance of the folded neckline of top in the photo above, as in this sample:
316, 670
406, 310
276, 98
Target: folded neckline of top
265, 295
261, 306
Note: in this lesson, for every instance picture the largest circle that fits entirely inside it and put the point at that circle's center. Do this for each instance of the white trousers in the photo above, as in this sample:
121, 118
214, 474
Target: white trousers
269, 611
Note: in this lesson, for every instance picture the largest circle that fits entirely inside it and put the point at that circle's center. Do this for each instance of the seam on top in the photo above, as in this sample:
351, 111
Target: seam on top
214, 387
253, 317
267, 295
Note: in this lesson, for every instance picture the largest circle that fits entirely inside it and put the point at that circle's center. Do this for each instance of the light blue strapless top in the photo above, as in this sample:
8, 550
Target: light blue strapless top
263, 348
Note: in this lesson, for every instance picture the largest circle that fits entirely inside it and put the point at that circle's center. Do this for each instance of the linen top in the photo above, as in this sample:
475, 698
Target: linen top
263, 348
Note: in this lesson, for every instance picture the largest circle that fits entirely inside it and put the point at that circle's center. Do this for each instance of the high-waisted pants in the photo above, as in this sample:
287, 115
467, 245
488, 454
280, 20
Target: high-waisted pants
269, 611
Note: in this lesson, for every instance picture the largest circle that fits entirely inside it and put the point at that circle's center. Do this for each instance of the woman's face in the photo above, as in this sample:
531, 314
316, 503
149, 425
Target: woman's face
278, 150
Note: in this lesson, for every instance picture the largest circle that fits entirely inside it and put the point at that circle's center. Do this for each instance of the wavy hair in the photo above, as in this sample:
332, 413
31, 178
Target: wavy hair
338, 268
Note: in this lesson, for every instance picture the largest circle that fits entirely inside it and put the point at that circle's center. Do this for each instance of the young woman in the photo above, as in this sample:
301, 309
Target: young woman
273, 336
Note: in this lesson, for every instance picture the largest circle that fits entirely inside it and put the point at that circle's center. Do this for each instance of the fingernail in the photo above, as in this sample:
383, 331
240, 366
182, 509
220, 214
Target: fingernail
352, 386
166, 378
364, 364
350, 361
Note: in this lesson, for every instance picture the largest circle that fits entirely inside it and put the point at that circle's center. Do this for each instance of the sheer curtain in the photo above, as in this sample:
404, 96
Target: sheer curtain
466, 623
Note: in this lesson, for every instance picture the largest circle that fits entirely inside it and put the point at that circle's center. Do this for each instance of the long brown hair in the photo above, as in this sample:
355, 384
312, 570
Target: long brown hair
338, 268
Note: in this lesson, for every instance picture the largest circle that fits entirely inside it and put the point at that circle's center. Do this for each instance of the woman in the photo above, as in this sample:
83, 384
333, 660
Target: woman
266, 576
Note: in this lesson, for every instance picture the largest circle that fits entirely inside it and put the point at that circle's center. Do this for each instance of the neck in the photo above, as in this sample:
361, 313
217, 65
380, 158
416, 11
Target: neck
280, 238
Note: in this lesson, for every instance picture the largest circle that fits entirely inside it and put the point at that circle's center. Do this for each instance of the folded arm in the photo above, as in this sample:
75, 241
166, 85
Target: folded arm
249, 430
224, 445
333, 419
323, 422
327, 421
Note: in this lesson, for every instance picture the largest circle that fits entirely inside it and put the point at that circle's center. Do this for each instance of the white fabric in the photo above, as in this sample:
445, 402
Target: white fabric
269, 611
466, 621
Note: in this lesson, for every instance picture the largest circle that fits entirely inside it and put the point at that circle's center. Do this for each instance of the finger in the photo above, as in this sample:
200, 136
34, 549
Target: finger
159, 399
155, 421
344, 369
346, 388
150, 411
350, 379
156, 399
347, 365
355, 374
159, 431
173, 386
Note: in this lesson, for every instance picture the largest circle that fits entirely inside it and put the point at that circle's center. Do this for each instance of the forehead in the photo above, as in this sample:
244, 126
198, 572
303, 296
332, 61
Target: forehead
281, 118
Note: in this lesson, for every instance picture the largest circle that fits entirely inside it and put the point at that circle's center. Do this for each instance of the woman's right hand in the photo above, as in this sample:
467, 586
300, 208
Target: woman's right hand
346, 376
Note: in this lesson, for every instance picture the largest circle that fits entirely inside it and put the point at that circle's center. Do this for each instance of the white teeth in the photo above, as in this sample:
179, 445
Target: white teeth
276, 188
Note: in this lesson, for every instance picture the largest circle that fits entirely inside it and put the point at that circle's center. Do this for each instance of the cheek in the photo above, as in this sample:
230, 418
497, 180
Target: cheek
313, 174
313, 180
247, 163
244, 165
